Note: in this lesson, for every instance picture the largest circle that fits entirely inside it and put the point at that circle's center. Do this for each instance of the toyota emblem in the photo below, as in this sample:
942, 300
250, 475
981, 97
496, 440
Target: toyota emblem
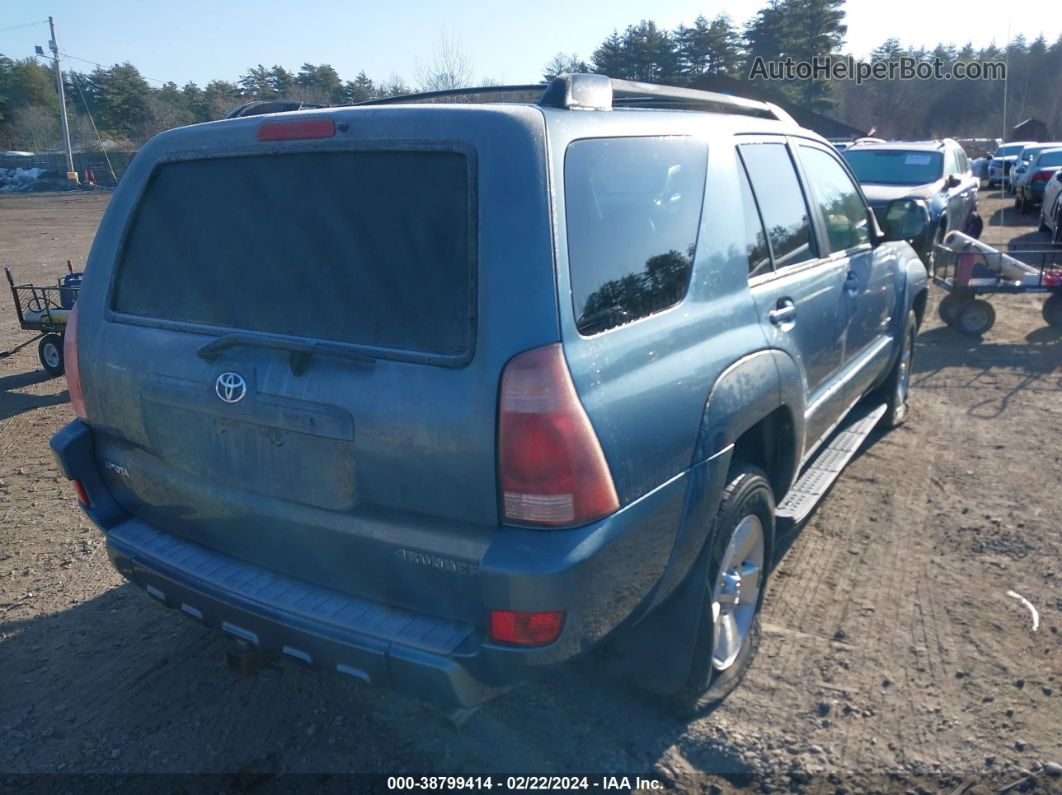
231, 387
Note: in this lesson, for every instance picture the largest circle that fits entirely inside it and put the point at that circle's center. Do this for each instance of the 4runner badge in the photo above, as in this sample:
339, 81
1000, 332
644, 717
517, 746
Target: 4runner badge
231, 387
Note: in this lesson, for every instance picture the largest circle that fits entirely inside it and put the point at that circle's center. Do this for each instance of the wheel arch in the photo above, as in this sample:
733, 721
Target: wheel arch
754, 413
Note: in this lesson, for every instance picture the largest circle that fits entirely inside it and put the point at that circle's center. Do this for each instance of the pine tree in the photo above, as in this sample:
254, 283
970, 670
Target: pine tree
281, 81
608, 59
707, 48
360, 89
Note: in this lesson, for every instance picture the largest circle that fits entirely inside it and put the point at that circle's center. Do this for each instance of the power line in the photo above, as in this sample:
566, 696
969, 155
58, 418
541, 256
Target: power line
26, 25
101, 66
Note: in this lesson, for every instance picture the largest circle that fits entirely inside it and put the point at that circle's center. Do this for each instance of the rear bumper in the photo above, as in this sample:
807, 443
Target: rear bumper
376, 644
601, 575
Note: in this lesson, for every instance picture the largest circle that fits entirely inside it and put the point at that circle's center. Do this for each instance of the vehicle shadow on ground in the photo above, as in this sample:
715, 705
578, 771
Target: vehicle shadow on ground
121, 684
1038, 360
1009, 216
13, 403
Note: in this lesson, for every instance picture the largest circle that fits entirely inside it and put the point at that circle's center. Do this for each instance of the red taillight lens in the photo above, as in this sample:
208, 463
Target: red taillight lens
525, 629
1041, 176
296, 130
73, 372
82, 495
551, 468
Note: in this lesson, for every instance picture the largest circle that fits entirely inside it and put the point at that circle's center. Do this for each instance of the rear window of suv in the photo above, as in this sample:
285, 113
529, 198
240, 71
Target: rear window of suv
633, 207
368, 248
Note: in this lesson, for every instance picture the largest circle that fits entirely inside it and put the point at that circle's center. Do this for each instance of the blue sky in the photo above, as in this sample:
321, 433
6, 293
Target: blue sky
196, 40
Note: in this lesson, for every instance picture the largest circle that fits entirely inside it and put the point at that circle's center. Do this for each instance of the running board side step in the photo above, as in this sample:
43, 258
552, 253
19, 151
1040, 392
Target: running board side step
826, 466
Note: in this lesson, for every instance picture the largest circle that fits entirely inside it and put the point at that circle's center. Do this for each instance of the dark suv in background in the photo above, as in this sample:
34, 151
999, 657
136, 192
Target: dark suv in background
435, 395
936, 173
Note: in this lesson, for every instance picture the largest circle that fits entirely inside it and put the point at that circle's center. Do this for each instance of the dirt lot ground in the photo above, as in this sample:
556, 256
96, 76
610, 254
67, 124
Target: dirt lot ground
893, 658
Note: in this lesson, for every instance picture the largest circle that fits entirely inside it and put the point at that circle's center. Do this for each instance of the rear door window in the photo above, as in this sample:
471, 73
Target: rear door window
781, 201
838, 199
368, 248
633, 207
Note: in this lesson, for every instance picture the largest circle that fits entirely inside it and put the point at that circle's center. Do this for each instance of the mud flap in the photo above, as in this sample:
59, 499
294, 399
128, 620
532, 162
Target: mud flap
656, 653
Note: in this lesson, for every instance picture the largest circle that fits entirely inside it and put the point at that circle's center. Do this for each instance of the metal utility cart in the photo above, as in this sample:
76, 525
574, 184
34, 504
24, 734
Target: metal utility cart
45, 310
969, 270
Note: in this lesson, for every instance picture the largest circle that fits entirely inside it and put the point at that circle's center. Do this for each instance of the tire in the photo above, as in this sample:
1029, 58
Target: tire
721, 659
1056, 237
975, 225
947, 306
50, 352
1043, 228
974, 318
896, 389
1020, 204
1052, 310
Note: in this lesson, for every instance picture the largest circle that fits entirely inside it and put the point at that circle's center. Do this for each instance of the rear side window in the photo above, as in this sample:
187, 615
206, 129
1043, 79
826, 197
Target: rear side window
368, 248
633, 207
842, 209
777, 190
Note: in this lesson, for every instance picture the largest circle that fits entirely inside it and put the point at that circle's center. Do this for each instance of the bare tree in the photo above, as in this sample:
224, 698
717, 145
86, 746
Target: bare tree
450, 67
162, 115
36, 127
393, 86
313, 95
82, 136
562, 63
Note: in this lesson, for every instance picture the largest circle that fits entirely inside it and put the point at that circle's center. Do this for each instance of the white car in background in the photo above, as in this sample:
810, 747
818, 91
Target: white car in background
1051, 208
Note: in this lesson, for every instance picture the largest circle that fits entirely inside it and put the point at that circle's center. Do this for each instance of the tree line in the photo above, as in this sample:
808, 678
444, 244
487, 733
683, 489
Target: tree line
127, 109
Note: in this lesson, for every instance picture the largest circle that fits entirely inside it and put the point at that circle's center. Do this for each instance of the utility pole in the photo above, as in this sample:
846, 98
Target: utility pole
54, 47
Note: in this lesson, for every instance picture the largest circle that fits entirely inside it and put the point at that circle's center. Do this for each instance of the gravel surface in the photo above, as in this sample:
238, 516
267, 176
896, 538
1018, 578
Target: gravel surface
893, 658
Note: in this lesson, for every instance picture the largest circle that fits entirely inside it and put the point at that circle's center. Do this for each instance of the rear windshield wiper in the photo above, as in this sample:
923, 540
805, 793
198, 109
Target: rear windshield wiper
301, 352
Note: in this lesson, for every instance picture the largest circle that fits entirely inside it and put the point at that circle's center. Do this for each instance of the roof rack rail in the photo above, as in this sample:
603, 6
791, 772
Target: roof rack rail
597, 92
259, 107
522, 93
600, 92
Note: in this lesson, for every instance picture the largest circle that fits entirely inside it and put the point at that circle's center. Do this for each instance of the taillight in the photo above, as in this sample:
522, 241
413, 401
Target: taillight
551, 468
525, 629
73, 371
1041, 176
82, 495
296, 130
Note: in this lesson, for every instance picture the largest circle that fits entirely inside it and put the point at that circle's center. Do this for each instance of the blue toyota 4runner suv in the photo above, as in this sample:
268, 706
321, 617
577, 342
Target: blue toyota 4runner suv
434, 395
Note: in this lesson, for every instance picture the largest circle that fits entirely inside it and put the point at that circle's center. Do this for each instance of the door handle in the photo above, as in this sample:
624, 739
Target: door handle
851, 283
783, 313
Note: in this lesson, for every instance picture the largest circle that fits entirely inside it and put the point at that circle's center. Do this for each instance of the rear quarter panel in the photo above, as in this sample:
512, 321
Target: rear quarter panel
645, 384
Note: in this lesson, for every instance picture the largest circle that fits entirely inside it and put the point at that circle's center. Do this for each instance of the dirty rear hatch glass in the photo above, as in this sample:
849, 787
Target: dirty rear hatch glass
368, 248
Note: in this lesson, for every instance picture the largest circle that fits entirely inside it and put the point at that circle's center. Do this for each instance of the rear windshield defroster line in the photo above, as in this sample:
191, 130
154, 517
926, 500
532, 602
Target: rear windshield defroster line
370, 248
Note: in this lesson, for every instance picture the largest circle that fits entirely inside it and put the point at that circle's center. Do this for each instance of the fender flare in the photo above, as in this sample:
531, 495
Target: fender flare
744, 394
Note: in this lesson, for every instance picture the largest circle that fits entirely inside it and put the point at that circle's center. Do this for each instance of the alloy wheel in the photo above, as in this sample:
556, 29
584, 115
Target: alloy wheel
736, 594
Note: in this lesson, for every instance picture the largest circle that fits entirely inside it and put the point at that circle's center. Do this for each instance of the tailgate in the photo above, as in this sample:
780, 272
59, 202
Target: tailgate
297, 358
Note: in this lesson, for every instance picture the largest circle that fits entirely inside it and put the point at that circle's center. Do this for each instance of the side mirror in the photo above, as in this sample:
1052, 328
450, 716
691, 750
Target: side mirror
905, 219
953, 181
